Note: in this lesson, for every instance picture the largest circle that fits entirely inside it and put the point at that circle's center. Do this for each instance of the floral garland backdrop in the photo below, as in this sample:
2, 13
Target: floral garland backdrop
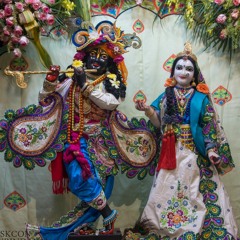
23, 20
215, 22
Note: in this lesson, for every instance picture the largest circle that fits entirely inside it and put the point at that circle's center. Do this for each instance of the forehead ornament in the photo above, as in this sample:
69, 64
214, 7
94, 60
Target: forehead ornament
187, 52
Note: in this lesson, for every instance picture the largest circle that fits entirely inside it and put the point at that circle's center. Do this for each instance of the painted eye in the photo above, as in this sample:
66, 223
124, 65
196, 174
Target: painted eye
93, 54
179, 67
104, 56
189, 69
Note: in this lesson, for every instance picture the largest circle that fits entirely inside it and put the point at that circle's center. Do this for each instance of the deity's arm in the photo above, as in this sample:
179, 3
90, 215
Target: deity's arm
104, 100
156, 110
50, 87
153, 116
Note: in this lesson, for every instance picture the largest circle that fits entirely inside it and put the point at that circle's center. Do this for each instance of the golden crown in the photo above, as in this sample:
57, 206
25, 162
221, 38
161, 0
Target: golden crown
187, 52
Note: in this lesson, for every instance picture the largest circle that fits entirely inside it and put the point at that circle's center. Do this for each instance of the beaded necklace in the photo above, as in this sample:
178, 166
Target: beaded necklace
182, 99
71, 124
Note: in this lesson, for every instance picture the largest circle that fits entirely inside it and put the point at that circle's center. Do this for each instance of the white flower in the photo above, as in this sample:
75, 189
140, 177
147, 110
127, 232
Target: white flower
113, 80
115, 83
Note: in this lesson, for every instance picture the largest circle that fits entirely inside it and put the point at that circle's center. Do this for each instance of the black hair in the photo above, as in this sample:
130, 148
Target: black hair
117, 92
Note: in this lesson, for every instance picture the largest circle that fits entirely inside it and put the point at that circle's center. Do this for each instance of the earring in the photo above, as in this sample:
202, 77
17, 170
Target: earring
193, 84
170, 82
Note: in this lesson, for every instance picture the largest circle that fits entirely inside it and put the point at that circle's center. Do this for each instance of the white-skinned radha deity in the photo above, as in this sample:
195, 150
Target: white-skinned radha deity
187, 199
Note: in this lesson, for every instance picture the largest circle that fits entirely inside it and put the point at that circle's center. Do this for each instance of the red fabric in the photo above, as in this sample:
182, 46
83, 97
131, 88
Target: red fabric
59, 175
167, 159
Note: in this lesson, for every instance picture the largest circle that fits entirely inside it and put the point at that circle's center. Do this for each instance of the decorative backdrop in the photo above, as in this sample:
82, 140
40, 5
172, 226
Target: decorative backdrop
26, 196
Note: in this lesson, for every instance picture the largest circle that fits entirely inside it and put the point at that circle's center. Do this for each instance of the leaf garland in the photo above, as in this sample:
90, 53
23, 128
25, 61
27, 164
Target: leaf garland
216, 23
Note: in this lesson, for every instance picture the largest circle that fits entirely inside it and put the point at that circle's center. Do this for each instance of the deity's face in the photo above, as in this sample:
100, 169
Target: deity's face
184, 72
97, 59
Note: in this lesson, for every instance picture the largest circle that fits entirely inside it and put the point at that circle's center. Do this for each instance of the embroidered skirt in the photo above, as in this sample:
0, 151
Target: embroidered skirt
190, 201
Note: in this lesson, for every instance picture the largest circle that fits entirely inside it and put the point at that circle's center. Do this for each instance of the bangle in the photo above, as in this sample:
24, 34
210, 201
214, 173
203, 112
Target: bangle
149, 112
88, 90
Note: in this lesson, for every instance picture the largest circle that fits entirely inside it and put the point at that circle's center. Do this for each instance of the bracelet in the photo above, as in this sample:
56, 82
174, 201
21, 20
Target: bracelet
88, 90
149, 112
49, 86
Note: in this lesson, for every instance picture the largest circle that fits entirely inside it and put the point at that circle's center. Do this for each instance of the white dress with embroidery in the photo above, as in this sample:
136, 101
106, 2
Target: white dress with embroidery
190, 202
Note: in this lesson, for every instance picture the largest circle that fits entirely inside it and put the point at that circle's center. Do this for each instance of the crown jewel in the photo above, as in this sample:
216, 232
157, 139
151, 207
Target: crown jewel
187, 52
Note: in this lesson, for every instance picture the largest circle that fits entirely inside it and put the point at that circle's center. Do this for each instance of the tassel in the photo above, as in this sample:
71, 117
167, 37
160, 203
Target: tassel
163, 151
167, 159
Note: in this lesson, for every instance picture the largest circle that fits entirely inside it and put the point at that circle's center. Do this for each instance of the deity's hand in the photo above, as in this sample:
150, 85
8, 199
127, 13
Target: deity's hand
52, 77
141, 105
149, 112
213, 157
79, 76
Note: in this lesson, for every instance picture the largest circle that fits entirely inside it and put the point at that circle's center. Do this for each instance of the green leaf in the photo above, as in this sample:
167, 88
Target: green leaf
43, 54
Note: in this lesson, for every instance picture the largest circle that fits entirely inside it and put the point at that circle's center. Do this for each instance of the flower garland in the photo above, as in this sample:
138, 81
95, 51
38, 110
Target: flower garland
18, 19
216, 23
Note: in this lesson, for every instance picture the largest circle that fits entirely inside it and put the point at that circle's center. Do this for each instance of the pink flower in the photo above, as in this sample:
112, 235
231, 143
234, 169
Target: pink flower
23, 41
236, 2
10, 21
219, 2
50, 19
7, 1
79, 55
19, 6
18, 30
2, 14
36, 5
235, 14
14, 39
8, 9
42, 16
118, 59
6, 31
45, 8
29, 1
51, 1
221, 18
223, 34
17, 53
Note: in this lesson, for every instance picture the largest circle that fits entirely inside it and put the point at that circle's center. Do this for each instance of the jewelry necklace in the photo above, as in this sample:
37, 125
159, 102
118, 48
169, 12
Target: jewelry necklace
71, 124
182, 95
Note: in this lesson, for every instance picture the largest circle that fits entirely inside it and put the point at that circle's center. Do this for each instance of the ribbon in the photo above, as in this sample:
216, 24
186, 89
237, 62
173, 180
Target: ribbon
31, 26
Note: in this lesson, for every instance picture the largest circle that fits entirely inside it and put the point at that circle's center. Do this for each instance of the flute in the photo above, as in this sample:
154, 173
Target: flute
20, 78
